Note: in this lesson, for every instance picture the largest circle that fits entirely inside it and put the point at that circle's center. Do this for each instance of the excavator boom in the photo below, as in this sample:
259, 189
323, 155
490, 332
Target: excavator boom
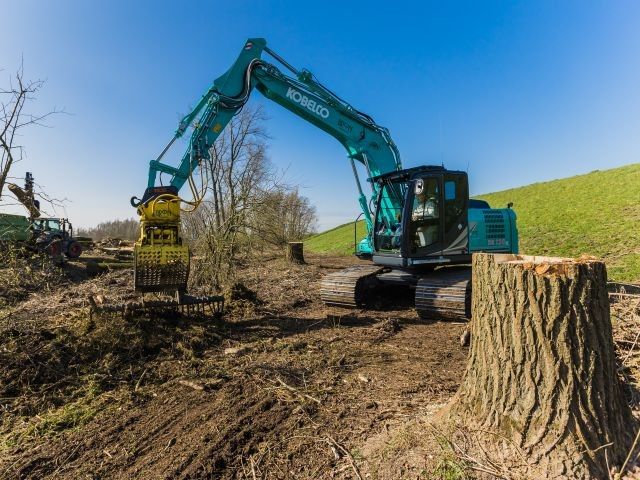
161, 257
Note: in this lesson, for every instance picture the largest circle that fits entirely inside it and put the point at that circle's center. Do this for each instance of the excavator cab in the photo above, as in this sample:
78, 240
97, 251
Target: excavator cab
422, 218
438, 215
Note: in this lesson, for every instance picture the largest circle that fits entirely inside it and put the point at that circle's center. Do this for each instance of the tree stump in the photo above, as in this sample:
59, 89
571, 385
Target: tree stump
542, 371
295, 252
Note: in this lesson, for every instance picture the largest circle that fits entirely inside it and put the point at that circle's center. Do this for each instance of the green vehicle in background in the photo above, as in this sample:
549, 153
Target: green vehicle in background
35, 233
53, 236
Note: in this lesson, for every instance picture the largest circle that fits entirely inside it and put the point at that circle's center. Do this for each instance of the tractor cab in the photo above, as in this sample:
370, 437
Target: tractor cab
421, 217
58, 227
55, 235
47, 225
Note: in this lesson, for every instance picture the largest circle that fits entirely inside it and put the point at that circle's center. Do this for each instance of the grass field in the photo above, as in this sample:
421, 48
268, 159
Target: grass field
595, 214
338, 240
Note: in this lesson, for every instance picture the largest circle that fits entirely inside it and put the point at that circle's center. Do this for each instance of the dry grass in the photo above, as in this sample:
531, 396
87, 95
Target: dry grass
22, 273
625, 318
466, 453
63, 370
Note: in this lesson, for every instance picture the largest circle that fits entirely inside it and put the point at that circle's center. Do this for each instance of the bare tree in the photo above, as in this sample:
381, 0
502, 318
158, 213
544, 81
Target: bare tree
238, 166
284, 216
123, 229
246, 205
237, 175
14, 118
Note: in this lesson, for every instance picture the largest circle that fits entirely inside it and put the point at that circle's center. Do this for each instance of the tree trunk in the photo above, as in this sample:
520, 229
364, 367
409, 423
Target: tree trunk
295, 252
541, 369
25, 198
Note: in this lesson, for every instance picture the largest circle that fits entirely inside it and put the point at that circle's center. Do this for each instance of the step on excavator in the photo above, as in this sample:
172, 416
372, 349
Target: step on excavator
422, 228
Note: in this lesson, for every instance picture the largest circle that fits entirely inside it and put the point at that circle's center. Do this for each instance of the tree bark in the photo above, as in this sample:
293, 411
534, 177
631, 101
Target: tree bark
295, 252
25, 198
541, 369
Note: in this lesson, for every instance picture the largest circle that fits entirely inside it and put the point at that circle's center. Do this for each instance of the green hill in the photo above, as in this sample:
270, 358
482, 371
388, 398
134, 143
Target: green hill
596, 214
337, 241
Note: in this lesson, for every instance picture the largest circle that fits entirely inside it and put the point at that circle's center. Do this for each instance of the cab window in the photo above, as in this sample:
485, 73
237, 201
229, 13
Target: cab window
455, 194
388, 226
425, 216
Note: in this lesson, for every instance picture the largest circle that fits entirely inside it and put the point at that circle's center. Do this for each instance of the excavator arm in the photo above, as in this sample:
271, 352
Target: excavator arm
25, 196
161, 258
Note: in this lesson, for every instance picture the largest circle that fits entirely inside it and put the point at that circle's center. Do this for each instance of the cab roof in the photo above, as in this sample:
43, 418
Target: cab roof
411, 173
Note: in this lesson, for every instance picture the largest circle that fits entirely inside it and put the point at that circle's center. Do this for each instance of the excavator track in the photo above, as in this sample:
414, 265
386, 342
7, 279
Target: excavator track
445, 293
349, 287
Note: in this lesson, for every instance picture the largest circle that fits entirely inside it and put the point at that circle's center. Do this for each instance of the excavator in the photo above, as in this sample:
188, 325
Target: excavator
422, 228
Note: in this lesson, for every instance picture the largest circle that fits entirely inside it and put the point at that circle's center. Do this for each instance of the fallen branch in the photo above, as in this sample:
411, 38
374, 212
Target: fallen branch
253, 468
631, 450
139, 382
298, 392
630, 295
631, 349
348, 455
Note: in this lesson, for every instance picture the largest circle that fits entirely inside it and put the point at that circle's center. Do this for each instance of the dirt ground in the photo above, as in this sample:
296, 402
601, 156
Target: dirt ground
284, 387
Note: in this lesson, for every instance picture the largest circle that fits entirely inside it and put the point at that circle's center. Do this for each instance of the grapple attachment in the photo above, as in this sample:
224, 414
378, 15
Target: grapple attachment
160, 268
161, 261
205, 308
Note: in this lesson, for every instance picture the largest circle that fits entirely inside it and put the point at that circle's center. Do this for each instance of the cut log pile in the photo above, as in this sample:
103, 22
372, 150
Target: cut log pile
120, 249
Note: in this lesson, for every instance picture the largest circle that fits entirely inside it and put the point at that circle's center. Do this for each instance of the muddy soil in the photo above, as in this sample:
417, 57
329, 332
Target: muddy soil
283, 387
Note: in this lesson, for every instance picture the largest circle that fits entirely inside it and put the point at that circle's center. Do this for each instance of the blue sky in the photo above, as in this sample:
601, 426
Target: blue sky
513, 92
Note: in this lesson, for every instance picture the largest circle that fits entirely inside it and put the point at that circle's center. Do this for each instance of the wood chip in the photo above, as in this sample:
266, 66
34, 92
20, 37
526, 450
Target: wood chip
195, 386
235, 350
542, 269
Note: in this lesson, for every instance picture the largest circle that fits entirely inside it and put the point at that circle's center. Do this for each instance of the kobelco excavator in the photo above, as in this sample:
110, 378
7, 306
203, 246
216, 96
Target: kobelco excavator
419, 220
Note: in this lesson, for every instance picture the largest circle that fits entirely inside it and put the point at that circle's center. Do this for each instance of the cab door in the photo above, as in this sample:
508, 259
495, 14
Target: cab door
455, 200
437, 217
426, 227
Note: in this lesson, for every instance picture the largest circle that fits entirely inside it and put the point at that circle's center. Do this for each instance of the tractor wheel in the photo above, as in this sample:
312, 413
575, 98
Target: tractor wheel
74, 250
54, 249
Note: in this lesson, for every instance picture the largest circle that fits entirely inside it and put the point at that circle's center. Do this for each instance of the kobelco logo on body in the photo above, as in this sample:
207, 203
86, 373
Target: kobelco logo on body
307, 102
